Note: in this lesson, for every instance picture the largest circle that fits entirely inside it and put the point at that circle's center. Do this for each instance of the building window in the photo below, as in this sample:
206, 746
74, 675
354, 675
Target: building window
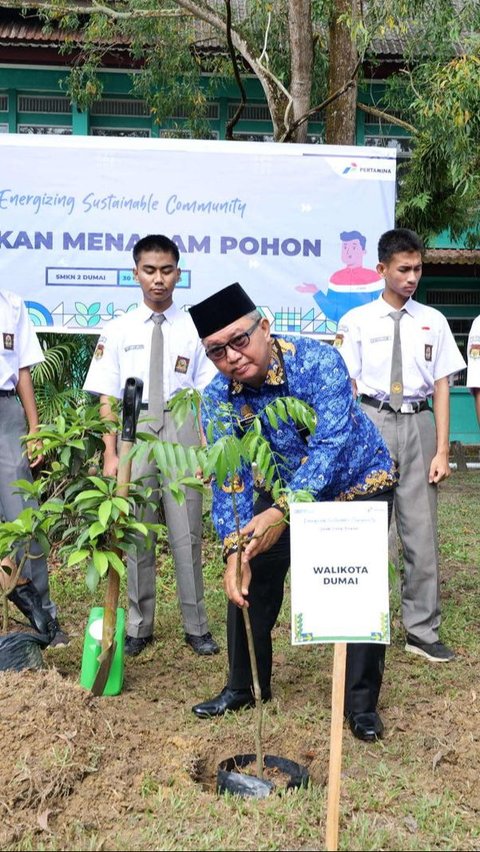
459, 306
44, 129
120, 106
3, 103
258, 114
402, 144
312, 139
3, 128
181, 133
117, 131
212, 112
57, 104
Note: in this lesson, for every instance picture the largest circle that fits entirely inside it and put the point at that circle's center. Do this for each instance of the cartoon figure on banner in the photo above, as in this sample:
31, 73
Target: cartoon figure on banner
351, 286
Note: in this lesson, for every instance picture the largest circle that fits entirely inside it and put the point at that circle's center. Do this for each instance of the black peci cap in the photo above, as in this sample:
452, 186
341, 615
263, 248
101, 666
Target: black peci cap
221, 309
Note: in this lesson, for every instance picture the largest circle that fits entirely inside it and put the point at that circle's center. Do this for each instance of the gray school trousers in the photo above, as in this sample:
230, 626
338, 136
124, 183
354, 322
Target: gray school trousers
14, 465
184, 526
411, 439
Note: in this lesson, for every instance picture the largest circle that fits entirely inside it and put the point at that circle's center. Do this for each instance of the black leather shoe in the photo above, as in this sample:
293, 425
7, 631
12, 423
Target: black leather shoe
134, 645
58, 636
204, 645
366, 726
229, 699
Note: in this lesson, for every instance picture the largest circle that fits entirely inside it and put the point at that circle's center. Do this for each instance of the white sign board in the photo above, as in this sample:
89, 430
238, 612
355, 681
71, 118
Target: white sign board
296, 225
339, 572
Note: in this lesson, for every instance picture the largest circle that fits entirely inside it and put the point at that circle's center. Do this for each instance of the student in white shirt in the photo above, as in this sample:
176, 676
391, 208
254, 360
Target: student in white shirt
473, 363
417, 435
123, 351
20, 350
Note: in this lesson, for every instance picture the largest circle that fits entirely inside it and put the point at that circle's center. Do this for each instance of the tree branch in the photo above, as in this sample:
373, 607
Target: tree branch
234, 120
287, 135
94, 9
390, 119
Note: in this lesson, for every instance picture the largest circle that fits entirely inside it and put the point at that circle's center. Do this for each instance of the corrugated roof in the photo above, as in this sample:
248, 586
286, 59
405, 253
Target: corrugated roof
18, 31
28, 31
452, 256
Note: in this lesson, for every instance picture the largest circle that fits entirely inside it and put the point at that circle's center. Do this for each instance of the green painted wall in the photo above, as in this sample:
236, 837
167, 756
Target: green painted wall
31, 81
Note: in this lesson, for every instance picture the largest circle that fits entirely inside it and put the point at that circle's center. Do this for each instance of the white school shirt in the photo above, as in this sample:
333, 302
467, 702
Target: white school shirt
473, 362
123, 351
19, 346
429, 352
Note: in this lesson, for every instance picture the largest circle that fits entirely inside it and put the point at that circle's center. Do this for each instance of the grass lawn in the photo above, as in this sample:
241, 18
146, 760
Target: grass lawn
137, 771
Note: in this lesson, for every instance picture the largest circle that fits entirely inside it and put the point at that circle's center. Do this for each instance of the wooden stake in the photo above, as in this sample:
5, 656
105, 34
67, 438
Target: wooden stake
336, 734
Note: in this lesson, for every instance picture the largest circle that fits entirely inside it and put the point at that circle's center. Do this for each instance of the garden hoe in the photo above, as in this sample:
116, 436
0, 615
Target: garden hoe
102, 668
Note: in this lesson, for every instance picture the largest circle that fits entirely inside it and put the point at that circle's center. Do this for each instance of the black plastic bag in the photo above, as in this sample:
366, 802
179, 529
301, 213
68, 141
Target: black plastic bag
22, 651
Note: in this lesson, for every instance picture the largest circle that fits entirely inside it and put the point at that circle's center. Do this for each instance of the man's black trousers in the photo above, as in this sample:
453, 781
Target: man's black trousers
365, 661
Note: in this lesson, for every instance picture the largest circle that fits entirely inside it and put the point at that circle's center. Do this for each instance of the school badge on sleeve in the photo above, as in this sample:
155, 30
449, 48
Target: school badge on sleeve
8, 341
181, 364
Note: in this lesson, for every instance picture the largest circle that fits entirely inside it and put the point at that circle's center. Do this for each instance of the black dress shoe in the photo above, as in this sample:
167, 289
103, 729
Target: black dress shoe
229, 699
134, 645
204, 645
366, 726
59, 636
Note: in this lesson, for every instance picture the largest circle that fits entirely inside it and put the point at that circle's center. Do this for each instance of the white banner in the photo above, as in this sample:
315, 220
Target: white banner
296, 225
339, 572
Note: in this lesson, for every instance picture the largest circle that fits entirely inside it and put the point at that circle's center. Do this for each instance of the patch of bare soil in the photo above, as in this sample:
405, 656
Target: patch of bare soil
70, 759
66, 753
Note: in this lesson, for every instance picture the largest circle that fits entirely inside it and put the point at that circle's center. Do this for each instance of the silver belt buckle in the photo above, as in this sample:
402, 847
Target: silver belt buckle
407, 408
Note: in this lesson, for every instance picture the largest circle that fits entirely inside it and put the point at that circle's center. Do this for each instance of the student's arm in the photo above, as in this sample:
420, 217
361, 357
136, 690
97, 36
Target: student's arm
439, 467
26, 395
476, 394
110, 456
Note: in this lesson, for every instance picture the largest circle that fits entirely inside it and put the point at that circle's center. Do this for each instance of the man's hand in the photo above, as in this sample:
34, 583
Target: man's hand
199, 475
265, 529
230, 580
439, 468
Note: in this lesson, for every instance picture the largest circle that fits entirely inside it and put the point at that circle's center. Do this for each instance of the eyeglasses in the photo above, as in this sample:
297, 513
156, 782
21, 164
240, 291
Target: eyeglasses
239, 342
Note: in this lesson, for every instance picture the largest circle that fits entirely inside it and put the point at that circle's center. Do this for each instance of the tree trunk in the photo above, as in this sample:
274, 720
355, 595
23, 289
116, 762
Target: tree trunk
341, 114
301, 63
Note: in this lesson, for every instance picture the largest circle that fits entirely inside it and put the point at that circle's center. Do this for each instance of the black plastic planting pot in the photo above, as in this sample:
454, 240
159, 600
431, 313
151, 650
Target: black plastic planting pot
231, 780
22, 651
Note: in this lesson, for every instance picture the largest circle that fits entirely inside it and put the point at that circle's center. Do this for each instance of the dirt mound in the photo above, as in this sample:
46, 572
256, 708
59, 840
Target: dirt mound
57, 743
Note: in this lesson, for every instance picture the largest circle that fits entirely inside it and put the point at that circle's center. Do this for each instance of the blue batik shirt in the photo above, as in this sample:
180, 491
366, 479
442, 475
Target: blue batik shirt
346, 456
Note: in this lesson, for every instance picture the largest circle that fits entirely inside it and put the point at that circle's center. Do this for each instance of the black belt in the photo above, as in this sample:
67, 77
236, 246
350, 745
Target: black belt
8, 393
406, 407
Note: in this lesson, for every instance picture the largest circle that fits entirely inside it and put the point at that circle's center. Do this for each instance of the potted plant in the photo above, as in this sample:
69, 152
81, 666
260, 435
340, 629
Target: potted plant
80, 513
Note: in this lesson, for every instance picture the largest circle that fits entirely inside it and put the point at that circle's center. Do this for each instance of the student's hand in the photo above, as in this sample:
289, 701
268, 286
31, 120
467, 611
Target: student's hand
230, 580
34, 448
267, 528
110, 464
307, 288
439, 468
